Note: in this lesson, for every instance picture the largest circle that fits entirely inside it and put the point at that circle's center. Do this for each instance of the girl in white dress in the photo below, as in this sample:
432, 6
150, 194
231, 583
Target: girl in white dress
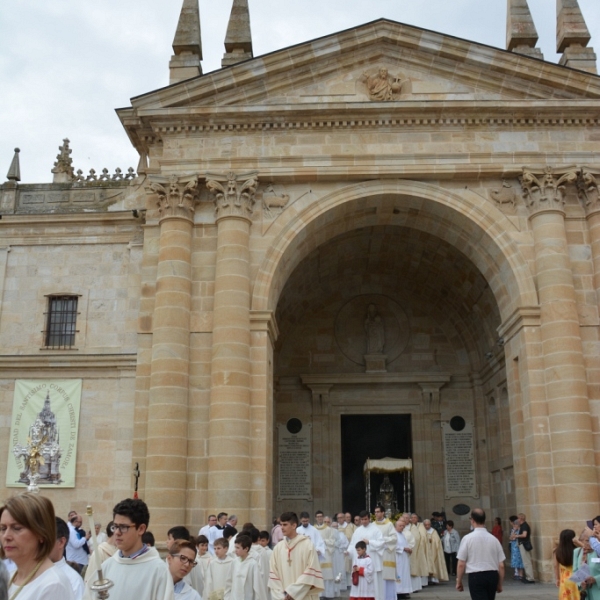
27, 536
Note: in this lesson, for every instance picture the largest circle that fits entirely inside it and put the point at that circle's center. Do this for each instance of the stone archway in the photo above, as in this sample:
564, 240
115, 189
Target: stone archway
461, 220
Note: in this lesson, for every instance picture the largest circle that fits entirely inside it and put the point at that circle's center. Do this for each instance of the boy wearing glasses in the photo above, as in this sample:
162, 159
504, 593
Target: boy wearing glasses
135, 568
181, 560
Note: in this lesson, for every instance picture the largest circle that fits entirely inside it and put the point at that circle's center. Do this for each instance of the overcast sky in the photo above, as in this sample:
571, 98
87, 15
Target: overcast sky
65, 65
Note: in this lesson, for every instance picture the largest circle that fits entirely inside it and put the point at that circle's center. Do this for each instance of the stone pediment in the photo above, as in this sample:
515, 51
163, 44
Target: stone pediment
383, 61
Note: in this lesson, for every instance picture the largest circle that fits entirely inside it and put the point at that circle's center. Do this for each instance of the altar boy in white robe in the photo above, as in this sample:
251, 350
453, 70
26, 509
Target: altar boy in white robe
363, 577
369, 533
403, 551
136, 569
246, 580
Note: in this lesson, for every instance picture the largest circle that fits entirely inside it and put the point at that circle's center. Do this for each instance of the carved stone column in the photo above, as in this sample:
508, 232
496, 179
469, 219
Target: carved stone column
166, 455
229, 465
573, 473
590, 195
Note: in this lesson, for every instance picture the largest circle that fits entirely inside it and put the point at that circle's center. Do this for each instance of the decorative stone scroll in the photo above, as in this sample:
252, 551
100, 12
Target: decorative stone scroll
587, 189
382, 87
178, 198
459, 460
546, 191
295, 462
234, 194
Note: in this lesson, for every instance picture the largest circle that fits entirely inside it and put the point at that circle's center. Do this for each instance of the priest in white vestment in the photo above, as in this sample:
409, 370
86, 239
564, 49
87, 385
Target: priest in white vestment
403, 551
387, 576
418, 560
339, 559
329, 537
295, 569
369, 533
305, 528
348, 528
415, 582
435, 554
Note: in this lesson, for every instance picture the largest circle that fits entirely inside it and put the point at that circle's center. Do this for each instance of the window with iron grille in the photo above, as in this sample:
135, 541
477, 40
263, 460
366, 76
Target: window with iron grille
61, 320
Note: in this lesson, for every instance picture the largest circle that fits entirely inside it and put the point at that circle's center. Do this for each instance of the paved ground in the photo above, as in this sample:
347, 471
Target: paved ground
513, 590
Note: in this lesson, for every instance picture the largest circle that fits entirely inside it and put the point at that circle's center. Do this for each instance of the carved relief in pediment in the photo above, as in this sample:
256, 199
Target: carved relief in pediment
384, 87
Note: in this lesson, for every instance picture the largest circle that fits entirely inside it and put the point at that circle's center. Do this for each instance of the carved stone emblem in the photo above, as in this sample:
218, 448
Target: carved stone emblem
234, 194
382, 87
177, 198
546, 191
272, 203
506, 195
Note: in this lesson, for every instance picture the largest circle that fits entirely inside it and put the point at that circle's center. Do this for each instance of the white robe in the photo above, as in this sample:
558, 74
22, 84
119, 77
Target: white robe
50, 585
388, 572
74, 578
146, 576
246, 580
366, 581
403, 580
339, 561
187, 593
218, 577
374, 550
315, 537
104, 552
195, 578
295, 569
415, 582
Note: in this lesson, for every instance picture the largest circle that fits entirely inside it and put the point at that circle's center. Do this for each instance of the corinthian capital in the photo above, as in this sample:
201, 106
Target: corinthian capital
175, 198
234, 194
546, 191
587, 189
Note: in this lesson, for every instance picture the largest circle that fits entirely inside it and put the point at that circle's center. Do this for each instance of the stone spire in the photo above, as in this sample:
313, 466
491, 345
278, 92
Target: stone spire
238, 41
63, 167
573, 36
14, 172
187, 44
521, 34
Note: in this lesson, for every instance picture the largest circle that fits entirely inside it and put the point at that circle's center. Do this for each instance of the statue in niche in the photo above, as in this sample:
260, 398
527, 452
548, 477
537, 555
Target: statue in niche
383, 86
375, 331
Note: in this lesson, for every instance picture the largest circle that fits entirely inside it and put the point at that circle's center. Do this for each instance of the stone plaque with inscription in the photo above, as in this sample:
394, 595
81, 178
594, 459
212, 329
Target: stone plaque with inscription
459, 460
295, 463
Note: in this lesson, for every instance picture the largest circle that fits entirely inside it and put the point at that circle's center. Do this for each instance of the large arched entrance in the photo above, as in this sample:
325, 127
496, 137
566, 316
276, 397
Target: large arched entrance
441, 275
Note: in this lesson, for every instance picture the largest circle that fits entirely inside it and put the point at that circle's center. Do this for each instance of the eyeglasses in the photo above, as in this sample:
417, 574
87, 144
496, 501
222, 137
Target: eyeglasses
121, 528
185, 560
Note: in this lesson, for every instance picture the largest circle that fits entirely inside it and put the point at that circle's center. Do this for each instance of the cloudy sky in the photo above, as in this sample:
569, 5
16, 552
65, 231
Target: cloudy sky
65, 65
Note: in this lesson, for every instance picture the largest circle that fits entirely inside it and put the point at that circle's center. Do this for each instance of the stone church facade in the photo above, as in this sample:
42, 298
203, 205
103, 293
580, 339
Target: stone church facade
384, 221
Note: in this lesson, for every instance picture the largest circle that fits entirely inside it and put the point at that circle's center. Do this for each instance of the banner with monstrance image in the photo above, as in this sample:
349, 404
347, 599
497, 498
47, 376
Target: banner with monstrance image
44, 430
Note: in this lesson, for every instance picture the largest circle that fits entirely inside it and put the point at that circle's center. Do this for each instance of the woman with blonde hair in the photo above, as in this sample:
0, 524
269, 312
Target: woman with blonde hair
27, 537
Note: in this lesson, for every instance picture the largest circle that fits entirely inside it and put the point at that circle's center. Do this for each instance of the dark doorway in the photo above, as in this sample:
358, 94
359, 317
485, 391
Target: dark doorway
372, 436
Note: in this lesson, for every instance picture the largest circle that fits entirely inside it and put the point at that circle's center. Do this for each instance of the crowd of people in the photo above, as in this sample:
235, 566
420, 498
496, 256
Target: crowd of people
369, 558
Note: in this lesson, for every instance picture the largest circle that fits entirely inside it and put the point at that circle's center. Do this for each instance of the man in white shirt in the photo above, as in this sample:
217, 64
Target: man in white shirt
57, 556
212, 521
480, 555
76, 545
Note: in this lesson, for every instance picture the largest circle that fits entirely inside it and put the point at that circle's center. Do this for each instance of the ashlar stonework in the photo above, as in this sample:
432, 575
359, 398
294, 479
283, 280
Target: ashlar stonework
383, 221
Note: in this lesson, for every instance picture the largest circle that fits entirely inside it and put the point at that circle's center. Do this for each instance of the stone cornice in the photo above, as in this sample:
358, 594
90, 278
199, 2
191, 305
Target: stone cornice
72, 363
426, 378
524, 316
264, 320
